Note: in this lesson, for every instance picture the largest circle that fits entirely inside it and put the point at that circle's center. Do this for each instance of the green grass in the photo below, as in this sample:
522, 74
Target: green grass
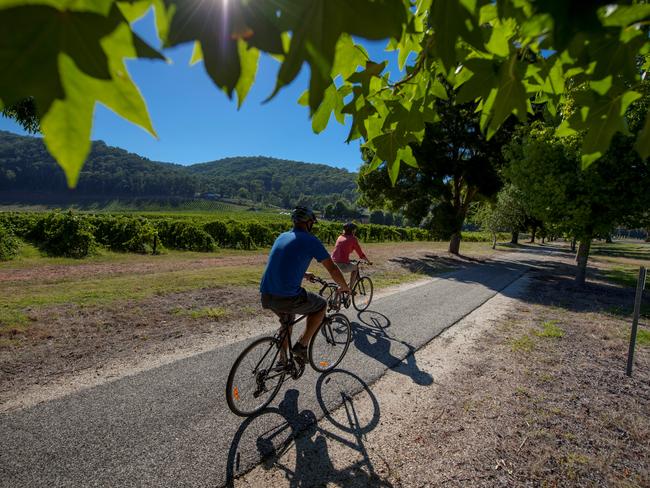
643, 337
522, 344
623, 275
210, 312
550, 330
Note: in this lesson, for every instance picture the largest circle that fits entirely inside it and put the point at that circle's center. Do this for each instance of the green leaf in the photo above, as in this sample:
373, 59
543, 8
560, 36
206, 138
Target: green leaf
622, 15
134, 10
499, 39
602, 119
348, 57
67, 63
197, 53
248, 58
67, 124
405, 155
643, 139
331, 102
510, 96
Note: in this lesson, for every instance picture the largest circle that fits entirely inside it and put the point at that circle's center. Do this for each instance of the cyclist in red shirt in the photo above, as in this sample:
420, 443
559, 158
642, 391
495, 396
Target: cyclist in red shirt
345, 244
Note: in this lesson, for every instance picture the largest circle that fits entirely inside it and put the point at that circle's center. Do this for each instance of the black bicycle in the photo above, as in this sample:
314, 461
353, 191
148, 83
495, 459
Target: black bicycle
361, 291
260, 370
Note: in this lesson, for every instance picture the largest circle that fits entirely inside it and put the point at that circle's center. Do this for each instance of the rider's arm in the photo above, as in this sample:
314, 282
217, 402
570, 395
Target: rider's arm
335, 273
357, 248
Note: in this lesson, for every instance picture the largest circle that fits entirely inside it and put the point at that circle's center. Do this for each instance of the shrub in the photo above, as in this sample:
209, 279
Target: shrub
9, 245
219, 232
127, 234
184, 235
66, 234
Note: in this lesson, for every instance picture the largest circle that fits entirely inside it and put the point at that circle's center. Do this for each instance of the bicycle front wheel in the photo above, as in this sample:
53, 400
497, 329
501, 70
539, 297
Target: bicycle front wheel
329, 345
362, 294
255, 378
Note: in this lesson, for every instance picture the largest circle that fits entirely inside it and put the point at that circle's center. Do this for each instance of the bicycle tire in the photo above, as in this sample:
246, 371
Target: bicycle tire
362, 293
265, 347
330, 343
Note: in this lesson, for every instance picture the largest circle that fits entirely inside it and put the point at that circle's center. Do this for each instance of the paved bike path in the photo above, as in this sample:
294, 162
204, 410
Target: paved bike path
170, 426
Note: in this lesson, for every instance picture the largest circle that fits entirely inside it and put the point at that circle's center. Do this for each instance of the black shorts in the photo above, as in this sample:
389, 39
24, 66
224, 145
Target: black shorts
305, 303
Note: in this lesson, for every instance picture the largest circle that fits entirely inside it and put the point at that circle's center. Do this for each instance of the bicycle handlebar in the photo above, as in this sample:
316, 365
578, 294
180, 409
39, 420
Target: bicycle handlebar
323, 282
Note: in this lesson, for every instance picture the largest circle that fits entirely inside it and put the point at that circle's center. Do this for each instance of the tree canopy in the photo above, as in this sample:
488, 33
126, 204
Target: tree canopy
456, 165
496, 53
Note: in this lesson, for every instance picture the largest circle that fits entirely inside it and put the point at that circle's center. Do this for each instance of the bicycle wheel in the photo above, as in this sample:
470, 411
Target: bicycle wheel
255, 378
362, 293
329, 345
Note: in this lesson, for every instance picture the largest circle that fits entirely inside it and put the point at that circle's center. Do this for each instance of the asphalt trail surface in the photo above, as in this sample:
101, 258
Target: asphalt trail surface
170, 426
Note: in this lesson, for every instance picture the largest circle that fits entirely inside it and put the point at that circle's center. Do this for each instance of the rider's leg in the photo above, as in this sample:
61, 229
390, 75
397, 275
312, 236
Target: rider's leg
284, 352
313, 322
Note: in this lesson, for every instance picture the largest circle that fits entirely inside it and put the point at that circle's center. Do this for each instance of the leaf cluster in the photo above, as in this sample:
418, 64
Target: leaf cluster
69, 55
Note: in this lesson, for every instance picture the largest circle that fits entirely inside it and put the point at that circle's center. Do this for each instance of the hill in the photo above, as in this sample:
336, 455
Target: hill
28, 174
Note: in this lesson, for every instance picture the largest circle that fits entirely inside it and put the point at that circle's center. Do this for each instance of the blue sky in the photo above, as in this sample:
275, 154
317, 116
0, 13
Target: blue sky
196, 122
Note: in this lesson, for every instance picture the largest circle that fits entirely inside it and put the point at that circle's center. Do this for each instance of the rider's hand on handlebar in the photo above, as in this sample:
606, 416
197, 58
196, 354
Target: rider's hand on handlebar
310, 276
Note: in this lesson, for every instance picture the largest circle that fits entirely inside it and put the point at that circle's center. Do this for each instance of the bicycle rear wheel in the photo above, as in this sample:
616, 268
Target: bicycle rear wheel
255, 378
362, 293
329, 345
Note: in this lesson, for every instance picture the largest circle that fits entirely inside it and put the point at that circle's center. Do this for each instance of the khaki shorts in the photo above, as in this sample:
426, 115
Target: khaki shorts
347, 267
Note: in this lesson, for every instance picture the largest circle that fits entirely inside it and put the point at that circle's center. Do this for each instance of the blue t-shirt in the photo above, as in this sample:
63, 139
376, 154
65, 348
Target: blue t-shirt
289, 259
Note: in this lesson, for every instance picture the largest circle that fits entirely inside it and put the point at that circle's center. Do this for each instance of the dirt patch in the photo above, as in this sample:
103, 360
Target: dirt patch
528, 390
149, 264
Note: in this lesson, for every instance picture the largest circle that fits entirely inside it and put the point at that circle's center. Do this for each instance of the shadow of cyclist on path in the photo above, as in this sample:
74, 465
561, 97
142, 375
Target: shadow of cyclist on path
278, 435
370, 337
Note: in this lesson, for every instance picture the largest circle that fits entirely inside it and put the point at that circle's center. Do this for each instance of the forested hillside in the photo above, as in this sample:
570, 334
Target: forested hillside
278, 181
28, 172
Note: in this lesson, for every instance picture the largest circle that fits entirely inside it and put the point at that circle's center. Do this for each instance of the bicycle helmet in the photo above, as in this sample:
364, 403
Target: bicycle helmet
303, 214
348, 227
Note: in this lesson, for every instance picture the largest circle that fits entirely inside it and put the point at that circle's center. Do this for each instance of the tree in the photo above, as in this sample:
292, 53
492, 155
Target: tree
490, 51
456, 164
24, 112
583, 203
508, 213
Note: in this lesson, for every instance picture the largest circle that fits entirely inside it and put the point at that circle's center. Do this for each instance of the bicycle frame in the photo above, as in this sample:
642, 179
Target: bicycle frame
280, 337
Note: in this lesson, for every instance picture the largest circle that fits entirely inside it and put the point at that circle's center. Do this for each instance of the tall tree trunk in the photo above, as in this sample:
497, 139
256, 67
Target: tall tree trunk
494, 240
515, 237
573, 244
542, 239
533, 231
583, 255
454, 243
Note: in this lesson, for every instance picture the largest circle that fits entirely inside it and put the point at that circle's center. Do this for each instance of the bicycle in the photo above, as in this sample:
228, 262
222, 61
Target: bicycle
259, 371
361, 291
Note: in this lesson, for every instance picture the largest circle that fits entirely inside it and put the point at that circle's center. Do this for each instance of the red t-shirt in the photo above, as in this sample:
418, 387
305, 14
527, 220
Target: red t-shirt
345, 244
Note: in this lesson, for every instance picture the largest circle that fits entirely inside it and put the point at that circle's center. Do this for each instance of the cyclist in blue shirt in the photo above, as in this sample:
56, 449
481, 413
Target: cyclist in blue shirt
281, 285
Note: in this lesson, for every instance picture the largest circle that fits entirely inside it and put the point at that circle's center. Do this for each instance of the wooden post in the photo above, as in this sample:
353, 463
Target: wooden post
635, 319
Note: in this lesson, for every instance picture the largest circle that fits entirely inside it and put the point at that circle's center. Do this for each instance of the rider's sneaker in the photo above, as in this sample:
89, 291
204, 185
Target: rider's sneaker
300, 352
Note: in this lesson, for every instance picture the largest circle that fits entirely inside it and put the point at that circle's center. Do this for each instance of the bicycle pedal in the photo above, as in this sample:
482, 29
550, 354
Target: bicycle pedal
298, 369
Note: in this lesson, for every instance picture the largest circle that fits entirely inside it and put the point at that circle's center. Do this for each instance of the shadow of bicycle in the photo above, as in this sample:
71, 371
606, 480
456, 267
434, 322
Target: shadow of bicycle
297, 446
371, 338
